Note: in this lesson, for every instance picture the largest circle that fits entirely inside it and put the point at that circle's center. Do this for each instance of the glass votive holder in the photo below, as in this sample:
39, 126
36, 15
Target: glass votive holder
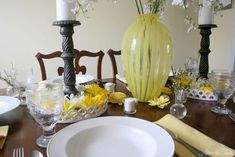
11, 91
178, 109
110, 87
130, 105
180, 96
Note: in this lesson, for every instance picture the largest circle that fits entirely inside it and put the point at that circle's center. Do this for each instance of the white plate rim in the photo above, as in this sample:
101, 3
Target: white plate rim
60, 138
88, 77
14, 102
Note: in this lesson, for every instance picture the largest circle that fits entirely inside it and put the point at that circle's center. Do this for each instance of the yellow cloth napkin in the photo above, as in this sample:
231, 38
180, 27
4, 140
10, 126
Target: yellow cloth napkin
195, 138
3, 135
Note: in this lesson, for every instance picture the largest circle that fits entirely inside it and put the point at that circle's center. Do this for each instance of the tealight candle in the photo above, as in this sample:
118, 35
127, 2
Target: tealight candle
110, 87
130, 105
64, 10
206, 13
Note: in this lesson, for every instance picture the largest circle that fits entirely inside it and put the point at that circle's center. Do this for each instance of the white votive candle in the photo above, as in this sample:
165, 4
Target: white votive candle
110, 87
206, 13
64, 10
130, 105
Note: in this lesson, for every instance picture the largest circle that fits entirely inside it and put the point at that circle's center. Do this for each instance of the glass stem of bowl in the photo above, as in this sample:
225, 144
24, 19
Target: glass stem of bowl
221, 102
48, 133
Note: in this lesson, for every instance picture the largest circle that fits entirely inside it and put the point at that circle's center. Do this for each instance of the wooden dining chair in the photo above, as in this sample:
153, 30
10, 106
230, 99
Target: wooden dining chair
40, 57
82, 68
112, 54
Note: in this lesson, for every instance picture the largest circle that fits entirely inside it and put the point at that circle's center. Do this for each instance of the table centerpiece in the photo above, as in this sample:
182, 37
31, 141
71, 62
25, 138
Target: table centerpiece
91, 101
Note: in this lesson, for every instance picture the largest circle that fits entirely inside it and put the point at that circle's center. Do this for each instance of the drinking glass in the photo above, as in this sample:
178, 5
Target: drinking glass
45, 104
23, 77
192, 65
223, 84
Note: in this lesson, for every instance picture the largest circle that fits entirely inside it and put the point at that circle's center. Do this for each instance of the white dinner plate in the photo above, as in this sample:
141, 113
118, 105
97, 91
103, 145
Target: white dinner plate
79, 79
111, 137
8, 103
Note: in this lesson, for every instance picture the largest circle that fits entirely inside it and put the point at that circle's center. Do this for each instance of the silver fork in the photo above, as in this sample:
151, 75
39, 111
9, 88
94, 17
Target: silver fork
18, 152
231, 115
194, 150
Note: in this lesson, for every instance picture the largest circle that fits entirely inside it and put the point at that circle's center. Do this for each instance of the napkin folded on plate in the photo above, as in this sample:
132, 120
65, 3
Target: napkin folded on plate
195, 138
3, 135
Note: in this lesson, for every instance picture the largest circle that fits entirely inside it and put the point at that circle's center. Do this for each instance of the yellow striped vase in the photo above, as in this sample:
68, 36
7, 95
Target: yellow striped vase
147, 56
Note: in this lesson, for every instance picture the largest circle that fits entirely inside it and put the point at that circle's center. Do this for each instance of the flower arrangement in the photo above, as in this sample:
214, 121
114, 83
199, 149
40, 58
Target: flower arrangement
9, 77
201, 89
83, 6
91, 102
93, 95
181, 80
216, 4
157, 7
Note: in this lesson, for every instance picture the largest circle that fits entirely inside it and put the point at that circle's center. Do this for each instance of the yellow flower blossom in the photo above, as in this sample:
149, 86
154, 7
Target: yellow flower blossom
182, 81
90, 100
93, 96
94, 90
160, 102
207, 88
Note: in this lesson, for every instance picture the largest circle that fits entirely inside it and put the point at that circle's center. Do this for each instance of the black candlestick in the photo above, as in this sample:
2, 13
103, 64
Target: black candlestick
204, 51
66, 30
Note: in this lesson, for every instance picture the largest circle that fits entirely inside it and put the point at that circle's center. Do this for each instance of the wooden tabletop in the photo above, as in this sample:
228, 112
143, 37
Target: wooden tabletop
23, 130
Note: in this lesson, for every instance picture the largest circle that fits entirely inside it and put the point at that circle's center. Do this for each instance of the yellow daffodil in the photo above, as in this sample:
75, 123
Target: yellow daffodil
90, 100
207, 88
94, 90
182, 81
93, 96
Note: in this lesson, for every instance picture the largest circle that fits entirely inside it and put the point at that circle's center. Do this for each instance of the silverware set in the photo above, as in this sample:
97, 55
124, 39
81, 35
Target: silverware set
194, 150
231, 116
19, 152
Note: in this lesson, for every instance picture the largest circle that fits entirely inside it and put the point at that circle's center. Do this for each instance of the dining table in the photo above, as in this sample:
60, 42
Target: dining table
24, 130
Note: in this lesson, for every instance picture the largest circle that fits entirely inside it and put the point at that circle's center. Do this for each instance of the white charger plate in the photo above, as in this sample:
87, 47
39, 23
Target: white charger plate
79, 79
8, 103
111, 137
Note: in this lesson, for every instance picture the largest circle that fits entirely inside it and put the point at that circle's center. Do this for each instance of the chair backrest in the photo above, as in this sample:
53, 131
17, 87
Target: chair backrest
40, 58
82, 68
112, 54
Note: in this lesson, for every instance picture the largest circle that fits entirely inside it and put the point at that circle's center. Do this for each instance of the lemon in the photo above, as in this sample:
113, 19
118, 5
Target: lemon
117, 97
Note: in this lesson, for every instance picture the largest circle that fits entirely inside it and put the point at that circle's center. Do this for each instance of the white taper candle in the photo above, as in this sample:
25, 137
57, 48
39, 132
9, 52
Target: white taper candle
64, 10
206, 13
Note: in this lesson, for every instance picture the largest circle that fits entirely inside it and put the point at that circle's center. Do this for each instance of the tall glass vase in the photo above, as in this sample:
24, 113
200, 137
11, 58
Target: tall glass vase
147, 56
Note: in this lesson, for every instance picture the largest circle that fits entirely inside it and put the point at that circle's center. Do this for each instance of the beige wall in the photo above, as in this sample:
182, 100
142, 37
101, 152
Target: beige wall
222, 39
26, 28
